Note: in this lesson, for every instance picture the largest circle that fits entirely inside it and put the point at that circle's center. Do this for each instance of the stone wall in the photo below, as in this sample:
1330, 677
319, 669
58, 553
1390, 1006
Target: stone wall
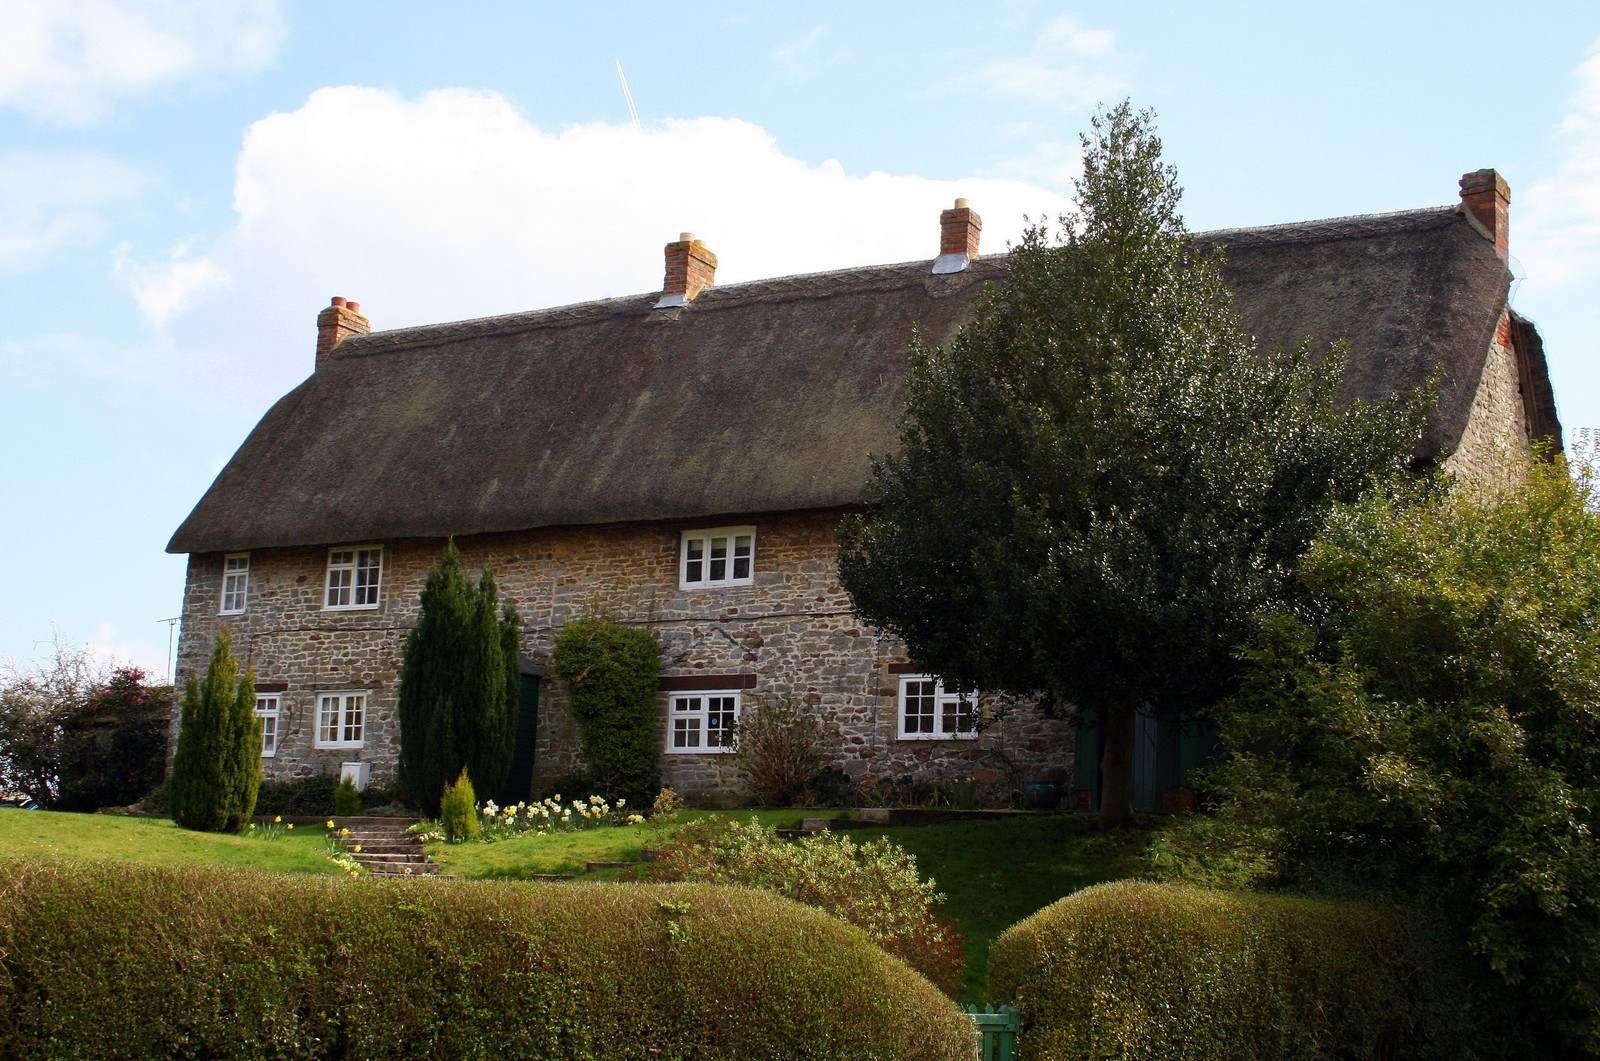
788, 637
1498, 424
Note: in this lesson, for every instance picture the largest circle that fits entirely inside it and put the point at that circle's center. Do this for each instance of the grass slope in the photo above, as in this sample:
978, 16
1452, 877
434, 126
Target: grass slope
153, 841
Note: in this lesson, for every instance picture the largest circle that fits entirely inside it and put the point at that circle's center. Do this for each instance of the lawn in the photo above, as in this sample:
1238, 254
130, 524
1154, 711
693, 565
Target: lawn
154, 841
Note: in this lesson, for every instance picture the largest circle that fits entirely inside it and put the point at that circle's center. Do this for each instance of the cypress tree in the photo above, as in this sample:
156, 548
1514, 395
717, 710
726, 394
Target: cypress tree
454, 709
216, 770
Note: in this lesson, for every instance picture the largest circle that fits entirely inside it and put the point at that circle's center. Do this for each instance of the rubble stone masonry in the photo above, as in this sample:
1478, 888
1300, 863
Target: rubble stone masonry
790, 636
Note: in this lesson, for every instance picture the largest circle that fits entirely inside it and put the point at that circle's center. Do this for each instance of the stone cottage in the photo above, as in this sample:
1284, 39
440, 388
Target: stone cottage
681, 459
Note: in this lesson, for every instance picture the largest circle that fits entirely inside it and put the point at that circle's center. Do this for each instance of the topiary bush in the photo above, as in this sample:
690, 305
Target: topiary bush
873, 885
458, 810
1137, 971
612, 673
225, 964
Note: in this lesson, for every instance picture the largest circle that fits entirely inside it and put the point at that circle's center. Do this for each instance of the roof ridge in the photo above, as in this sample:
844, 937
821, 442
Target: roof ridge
864, 277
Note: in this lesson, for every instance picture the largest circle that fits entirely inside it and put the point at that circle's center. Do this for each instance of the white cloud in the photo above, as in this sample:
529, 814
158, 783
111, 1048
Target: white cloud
51, 203
453, 205
69, 60
1071, 68
1556, 221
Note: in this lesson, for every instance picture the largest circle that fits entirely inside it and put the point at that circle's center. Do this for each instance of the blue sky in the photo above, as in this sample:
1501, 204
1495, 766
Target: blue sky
185, 183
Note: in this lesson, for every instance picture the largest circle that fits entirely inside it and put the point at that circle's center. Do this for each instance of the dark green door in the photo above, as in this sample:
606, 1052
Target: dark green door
519, 781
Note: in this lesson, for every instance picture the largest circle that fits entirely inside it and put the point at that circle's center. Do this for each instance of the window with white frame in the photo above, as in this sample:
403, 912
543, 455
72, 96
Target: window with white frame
353, 577
928, 712
722, 557
703, 722
267, 711
235, 581
341, 720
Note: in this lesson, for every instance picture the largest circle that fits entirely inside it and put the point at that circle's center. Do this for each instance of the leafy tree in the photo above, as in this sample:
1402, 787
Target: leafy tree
36, 707
1437, 735
113, 746
456, 705
1101, 480
612, 673
216, 770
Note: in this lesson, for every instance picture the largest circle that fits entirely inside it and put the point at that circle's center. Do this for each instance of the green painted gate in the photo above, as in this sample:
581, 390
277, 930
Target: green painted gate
997, 1032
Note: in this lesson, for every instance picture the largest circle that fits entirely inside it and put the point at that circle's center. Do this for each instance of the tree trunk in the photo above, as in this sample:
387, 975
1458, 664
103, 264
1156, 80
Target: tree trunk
1116, 766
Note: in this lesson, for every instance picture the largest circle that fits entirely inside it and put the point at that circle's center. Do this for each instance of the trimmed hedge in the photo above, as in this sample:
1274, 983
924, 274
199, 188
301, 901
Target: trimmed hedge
101, 961
1131, 970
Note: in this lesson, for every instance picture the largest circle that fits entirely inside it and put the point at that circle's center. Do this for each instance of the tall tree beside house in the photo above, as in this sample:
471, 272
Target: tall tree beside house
216, 770
456, 704
1100, 479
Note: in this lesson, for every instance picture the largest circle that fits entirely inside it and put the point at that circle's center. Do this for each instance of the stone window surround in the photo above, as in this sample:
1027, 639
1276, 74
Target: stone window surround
235, 583
941, 716
345, 578
350, 716
695, 572
698, 720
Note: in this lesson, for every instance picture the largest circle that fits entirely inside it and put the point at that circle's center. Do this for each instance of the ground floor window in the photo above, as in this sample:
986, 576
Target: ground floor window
703, 721
341, 720
928, 712
267, 712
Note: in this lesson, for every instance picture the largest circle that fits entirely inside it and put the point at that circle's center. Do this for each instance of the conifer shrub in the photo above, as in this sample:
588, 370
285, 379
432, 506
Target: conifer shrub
346, 798
612, 673
1138, 971
216, 770
117, 961
456, 704
458, 810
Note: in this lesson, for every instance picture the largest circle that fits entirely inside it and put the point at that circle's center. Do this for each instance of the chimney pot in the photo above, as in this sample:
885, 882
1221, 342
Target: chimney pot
1486, 198
959, 228
338, 322
690, 269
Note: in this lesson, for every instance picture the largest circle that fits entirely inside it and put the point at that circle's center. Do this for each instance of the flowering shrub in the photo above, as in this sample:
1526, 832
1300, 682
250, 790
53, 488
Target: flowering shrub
874, 886
551, 816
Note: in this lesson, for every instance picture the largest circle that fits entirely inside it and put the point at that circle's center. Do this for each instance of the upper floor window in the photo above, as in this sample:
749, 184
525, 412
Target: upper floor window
235, 581
927, 712
353, 577
341, 720
267, 712
703, 722
722, 557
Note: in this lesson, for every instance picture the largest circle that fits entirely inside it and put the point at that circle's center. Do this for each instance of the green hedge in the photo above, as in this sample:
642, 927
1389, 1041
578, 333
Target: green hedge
101, 961
1142, 971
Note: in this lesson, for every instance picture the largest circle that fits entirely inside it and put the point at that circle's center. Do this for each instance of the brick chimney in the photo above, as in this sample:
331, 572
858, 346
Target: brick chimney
690, 269
958, 238
1486, 197
337, 323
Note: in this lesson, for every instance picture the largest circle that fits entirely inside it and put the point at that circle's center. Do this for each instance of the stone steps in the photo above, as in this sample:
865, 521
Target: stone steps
386, 849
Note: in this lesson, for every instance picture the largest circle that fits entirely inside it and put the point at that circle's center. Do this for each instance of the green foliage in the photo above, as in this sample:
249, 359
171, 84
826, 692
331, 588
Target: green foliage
873, 885
1144, 972
131, 962
778, 753
455, 707
346, 799
217, 767
1101, 479
114, 746
300, 796
458, 810
1437, 736
612, 673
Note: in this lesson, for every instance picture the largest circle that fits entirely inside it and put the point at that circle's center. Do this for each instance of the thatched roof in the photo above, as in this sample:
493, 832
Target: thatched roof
762, 397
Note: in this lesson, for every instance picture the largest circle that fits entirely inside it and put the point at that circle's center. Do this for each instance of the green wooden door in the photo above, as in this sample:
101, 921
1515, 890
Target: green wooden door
519, 780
